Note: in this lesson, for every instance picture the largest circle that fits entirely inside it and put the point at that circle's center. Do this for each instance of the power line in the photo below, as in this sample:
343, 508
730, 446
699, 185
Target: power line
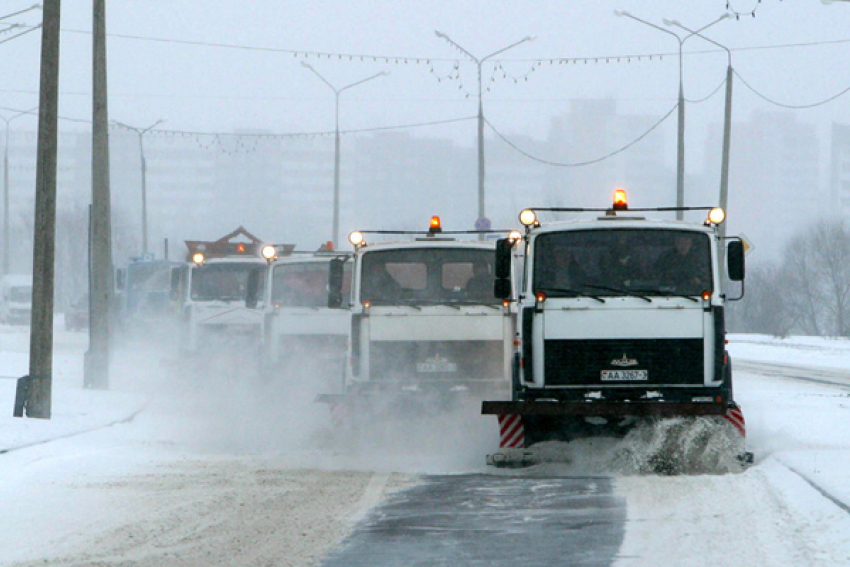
711, 94
401, 59
581, 163
791, 106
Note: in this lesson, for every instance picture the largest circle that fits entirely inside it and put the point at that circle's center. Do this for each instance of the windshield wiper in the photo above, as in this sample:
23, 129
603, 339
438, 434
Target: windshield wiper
575, 292
665, 293
627, 292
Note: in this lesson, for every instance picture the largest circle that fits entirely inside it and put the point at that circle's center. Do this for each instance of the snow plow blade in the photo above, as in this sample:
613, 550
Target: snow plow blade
605, 409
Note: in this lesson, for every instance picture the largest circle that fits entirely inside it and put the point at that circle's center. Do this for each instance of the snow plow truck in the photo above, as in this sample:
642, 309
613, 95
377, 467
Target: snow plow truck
620, 322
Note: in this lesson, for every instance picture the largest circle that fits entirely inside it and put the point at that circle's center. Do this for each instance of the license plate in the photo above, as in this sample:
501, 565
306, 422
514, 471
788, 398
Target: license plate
436, 367
624, 375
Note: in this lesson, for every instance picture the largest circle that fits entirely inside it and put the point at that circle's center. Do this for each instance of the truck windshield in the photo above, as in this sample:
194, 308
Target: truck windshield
428, 276
20, 294
148, 285
223, 282
305, 284
638, 262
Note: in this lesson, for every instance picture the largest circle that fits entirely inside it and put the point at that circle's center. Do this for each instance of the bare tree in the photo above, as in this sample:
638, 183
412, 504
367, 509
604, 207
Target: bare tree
829, 244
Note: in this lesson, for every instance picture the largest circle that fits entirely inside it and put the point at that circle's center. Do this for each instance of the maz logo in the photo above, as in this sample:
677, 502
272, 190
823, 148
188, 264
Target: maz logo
624, 361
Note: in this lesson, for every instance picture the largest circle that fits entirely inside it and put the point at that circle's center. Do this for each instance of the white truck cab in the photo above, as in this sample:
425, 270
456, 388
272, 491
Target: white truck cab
619, 317
212, 290
301, 333
424, 319
16, 299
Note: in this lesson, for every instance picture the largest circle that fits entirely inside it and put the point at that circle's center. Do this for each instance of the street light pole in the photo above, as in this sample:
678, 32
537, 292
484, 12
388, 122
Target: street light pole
727, 120
479, 63
680, 145
337, 92
6, 188
141, 133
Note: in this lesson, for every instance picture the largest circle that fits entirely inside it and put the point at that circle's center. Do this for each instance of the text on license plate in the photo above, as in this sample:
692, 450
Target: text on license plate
624, 375
436, 367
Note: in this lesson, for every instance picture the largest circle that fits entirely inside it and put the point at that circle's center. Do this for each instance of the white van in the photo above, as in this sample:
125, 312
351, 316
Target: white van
16, 299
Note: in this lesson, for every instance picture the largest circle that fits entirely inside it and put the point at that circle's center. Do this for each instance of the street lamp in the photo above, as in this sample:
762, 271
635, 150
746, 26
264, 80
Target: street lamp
141, 133
6, 188
337, 92
479, 63
727, 120
680, 149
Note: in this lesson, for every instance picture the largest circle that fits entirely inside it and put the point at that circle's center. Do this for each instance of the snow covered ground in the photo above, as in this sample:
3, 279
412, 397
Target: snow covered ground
214, 469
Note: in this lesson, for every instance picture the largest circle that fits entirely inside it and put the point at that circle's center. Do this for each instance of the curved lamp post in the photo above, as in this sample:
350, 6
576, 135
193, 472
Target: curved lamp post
479, 62
6, 187
141, 133
680, 147
337, 92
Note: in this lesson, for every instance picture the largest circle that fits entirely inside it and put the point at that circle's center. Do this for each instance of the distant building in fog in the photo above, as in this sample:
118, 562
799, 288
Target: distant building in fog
595, 129
774, 178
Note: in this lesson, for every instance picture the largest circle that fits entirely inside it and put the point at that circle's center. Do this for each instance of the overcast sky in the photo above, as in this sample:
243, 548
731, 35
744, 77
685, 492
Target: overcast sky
262, 85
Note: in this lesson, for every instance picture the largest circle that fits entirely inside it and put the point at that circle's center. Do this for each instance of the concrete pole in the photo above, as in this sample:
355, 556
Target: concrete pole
96, 363
481, 167
38, 397
727, 135
6, 203
144, 197
680, 145
336, 178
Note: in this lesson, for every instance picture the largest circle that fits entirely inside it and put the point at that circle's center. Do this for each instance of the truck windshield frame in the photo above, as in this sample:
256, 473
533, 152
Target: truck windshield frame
634, 262
305, 284
428, 276
222, 281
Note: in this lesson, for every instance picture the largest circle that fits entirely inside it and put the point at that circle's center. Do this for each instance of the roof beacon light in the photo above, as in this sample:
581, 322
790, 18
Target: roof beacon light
269, 252
356, 238
435, 225
198, 258
527, 217
716, 215
621, 203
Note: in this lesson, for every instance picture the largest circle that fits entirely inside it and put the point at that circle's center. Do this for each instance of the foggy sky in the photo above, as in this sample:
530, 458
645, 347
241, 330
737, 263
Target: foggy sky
214, 89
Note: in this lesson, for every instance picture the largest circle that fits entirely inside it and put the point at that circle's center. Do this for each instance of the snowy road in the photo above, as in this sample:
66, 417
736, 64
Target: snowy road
214, 472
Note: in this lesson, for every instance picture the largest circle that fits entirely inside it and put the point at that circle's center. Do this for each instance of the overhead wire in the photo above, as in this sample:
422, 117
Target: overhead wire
791, 106
580, 163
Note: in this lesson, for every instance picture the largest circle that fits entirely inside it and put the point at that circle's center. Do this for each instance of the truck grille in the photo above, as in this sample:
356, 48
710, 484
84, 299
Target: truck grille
436, 360
666, 361
317, 347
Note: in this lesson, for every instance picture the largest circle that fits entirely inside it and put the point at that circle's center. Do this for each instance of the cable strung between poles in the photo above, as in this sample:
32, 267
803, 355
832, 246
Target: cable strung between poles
711, 94
582, 163
791, 106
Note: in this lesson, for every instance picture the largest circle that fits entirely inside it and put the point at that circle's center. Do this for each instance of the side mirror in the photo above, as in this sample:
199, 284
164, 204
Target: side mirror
253, 288
502, 288
174, 291
504, 254
335, 276
735, 260
120, 279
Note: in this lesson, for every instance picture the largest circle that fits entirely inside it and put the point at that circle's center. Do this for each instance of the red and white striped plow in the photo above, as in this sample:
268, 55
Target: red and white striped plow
511, 431
735, 416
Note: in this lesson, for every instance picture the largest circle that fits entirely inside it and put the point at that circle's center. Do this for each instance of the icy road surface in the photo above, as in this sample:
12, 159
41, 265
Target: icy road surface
218, 470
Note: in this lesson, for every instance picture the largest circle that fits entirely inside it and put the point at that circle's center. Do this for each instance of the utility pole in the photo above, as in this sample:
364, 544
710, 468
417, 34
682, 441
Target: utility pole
479, 62
96, 362
37, 397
